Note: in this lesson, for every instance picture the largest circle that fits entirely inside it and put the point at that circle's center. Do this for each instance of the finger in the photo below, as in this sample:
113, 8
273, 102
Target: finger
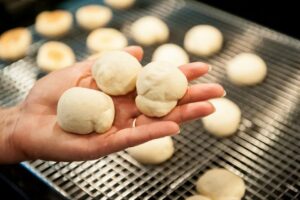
136, 51
130, 137
202, 92
85, 68
190, 111
194, 70
183, 113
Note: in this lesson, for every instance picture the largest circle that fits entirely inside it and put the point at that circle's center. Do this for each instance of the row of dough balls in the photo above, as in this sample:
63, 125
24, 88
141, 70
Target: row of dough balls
15, 43
243, 69
219, 184
59, 22
200, 40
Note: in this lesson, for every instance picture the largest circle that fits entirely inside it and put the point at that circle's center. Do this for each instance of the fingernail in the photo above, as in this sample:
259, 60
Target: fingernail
224, 94
209, 68
177, 132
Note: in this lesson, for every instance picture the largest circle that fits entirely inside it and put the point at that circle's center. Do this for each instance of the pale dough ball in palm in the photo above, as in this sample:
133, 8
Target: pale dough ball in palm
116, 72
93, 16
171, 53
82, 111
149, 30
14, 43
120, 4
153, 152
203, 40
104, 39
197, 197
246, 69
225, 120
54, 56
221, 184
159, 86
54, 23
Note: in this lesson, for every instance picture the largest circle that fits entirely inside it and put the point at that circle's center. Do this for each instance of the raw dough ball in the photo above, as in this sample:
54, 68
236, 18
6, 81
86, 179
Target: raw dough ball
93, 16
203, 40
120, 4
54, 23
246, 69
14, 43
159, 86
104, 39
82, 111
225, 120
171, 53
153, 152
197, 197
116, 72
54, 56
221, 184
149, 30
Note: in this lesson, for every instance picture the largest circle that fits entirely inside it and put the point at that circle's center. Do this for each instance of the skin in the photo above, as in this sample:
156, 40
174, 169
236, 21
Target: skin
30, 131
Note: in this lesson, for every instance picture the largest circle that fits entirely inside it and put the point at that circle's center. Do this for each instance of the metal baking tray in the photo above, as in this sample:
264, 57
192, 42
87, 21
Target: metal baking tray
264, 152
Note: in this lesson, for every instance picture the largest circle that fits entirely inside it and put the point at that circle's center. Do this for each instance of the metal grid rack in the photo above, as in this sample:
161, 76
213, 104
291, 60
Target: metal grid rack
264, 152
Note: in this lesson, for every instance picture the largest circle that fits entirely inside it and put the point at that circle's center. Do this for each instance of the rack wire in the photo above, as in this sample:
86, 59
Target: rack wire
264, 151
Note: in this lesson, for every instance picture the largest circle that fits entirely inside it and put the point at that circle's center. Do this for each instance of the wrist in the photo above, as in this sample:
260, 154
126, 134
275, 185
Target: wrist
8, 121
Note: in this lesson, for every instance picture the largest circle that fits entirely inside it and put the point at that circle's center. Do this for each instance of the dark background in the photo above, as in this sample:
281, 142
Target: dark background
282, 16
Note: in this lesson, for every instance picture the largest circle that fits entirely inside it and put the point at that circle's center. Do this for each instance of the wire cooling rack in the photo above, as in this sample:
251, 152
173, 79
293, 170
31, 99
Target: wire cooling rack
264, 152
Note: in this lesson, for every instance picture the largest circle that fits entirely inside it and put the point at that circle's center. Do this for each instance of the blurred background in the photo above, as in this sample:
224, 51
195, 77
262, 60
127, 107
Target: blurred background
279, 15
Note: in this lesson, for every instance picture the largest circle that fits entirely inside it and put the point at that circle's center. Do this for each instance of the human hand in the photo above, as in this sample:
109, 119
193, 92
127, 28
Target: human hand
37, 135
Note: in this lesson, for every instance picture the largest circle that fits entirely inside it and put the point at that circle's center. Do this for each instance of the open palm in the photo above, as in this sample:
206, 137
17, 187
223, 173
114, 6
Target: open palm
38, 136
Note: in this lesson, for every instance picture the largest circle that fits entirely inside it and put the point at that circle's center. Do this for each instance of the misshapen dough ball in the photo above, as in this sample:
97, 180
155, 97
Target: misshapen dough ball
153, 152
225, 120
54, 23
221, 184
159, 86
15, 43
104, 39
198, 197
203, 40
82, 111
149, 30
246, 69
54, 56
93, 16
171, 53
116, 72
120, 4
